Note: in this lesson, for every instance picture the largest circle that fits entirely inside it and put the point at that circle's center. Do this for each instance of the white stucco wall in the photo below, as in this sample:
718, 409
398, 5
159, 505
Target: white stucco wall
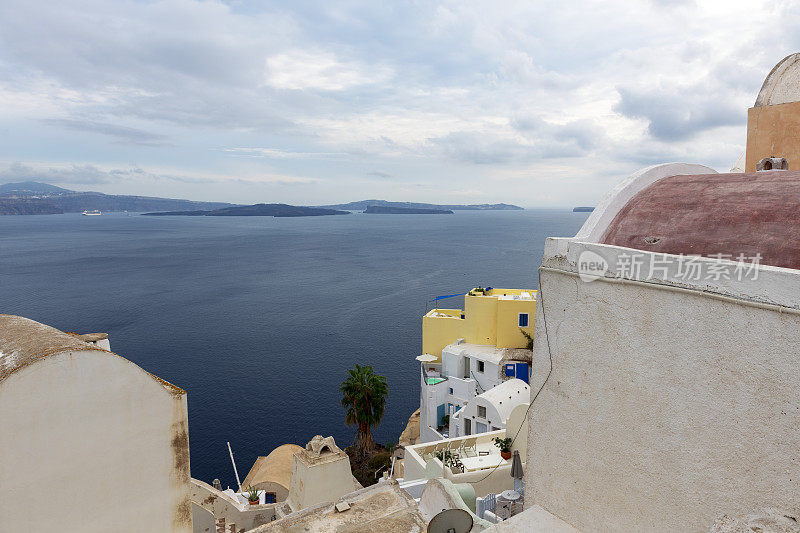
92, 443
499, 402
210, 504
666, 407
431, 397
321, 479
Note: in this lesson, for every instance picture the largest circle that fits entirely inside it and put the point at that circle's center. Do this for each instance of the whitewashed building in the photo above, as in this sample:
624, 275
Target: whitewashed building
467, 372
89, 441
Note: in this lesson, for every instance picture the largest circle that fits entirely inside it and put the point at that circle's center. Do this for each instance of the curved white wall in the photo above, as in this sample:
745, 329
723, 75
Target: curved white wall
90, 442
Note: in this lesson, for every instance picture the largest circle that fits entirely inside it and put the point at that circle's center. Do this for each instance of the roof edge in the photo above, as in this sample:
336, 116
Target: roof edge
613, 202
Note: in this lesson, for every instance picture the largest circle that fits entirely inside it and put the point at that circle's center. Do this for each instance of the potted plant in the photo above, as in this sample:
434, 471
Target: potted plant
505, 446
252, 495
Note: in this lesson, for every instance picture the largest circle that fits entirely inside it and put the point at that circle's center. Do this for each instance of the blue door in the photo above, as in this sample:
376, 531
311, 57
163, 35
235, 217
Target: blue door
439, 414
522, 372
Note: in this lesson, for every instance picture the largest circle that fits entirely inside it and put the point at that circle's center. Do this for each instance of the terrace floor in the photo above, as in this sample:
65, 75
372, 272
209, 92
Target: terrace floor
484, 455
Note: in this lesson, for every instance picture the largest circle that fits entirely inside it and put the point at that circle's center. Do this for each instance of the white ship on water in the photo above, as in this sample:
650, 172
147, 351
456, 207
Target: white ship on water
93, 213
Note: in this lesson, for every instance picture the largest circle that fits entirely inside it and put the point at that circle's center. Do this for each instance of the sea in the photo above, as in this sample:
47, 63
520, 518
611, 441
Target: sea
260, 318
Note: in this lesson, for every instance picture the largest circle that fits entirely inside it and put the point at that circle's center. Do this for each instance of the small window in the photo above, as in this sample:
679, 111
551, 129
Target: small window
481, 411
269, 497
480, 366
523, 320
451, 390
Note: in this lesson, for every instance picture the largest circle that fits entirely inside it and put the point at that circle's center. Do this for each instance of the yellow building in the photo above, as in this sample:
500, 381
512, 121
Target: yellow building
495, 317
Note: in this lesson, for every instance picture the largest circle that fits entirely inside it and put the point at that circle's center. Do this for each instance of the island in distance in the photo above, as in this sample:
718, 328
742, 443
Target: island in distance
257, 210
385, 210
36, 198
362, 205
582, 209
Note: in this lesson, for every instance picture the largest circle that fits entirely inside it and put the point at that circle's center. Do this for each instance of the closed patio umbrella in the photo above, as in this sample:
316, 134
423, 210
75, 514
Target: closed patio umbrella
516, 471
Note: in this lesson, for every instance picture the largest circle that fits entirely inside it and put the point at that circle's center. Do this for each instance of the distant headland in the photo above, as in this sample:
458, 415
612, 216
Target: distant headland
582, 209
362, 205
257, 210
386, 210
35, 198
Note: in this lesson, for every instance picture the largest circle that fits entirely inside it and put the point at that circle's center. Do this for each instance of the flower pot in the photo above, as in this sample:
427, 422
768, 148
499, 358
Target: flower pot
505, 455
253, 502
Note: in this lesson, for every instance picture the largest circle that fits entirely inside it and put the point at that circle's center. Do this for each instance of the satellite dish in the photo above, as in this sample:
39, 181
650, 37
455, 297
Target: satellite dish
451, 521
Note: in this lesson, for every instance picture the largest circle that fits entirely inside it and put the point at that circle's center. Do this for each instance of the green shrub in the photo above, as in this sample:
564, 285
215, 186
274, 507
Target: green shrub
378, 460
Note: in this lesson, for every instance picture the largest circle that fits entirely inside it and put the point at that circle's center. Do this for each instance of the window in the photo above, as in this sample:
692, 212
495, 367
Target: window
481, 411
523, 320
269, 497
480, 366
451, 390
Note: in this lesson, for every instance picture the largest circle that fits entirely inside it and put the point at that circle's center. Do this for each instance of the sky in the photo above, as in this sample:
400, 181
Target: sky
539, 104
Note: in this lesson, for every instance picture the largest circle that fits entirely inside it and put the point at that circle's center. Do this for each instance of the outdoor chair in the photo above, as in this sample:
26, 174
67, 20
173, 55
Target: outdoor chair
470, 444
426, 451
455, 446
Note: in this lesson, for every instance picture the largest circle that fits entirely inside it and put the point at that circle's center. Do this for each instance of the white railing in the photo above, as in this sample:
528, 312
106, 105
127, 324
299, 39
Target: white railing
487, 503
486, 507
414, 463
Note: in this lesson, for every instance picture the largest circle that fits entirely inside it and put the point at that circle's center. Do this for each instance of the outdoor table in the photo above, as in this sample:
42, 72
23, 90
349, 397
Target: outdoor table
481, 462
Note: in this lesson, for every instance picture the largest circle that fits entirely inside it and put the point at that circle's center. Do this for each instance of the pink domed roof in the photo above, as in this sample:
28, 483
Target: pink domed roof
707, 214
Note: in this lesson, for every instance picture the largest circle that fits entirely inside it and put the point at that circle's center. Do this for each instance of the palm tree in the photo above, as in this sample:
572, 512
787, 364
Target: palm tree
364, 395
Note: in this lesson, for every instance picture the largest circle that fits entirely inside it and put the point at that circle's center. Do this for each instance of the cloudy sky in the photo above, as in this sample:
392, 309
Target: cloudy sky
540, 103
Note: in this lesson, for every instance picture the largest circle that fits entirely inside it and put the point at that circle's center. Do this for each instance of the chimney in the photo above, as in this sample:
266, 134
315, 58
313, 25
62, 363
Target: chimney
772, 163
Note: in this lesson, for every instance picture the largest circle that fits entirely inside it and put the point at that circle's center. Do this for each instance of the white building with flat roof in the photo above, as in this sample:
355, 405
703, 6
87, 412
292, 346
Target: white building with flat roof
467, 372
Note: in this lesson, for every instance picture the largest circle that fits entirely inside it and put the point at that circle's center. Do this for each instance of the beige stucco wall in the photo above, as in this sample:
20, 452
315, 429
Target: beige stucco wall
320, 479
773, 130
665, 408
92, 443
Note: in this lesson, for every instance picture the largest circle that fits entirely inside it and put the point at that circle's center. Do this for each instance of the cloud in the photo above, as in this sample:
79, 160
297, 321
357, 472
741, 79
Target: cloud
560, 98
77, 174
87, 174
478, 148
118, 133
679, 113
379, 174
321, 71
276, 153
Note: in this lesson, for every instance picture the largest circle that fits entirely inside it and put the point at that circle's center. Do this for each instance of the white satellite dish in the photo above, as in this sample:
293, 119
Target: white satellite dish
451, 521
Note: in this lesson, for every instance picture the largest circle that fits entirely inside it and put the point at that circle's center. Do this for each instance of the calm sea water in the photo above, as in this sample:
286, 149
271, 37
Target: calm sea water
260, 318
